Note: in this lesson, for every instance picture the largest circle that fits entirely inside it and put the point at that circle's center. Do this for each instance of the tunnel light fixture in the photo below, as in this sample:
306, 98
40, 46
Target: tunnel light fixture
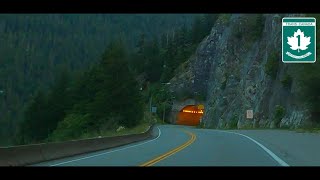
195, 112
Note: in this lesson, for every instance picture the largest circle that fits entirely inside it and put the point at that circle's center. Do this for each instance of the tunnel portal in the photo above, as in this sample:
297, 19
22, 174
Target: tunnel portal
190, 115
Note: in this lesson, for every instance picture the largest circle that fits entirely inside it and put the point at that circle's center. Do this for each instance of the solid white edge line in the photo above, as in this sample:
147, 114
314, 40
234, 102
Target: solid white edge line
275, 157
159, 134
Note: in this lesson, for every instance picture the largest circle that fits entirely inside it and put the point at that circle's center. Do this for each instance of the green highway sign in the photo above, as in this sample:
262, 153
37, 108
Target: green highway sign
298, 40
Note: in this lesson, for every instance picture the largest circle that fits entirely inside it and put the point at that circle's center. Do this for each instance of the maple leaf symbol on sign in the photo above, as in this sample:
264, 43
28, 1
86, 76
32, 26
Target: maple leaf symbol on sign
299, 41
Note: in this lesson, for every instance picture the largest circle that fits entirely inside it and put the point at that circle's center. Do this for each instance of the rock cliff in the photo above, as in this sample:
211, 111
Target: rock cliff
231, 72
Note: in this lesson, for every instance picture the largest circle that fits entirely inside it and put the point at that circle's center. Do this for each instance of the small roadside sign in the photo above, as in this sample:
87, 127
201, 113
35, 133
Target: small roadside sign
153, 109
249, 114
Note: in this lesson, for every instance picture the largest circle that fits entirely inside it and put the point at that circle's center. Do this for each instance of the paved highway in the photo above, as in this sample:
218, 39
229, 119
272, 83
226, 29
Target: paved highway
188, 146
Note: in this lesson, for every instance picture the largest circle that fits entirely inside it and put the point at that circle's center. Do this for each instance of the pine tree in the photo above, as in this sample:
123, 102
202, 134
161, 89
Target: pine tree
58, 101
154, 64
119, 95
33, 128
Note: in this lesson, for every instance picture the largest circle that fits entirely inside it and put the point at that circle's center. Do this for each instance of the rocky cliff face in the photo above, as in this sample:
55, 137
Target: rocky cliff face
228, 69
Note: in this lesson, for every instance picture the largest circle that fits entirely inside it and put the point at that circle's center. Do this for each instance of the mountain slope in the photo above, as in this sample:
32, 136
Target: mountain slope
35, 48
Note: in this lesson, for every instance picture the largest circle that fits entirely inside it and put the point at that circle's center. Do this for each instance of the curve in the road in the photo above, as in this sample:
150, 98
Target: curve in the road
182, 146
274, 156
87, 157
173, 151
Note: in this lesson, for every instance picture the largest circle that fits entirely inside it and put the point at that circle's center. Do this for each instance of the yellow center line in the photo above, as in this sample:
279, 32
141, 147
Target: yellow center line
173, 151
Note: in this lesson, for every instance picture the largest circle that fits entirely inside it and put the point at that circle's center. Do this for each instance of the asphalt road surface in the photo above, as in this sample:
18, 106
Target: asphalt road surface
188, 146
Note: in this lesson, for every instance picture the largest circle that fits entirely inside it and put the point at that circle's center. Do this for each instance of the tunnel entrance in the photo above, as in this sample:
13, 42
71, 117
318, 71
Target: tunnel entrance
190, 115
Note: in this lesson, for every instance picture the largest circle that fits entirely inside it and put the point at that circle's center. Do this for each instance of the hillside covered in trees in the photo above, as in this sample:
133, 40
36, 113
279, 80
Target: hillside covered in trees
63, 76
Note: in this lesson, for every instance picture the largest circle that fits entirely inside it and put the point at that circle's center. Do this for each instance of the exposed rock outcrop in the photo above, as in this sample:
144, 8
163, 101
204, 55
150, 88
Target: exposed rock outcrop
229, 69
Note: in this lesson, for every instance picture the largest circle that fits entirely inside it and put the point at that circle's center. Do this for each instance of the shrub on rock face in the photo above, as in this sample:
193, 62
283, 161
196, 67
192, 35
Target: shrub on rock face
279, 113
272, 65
233, 124
249, 28
286, 81
224, 18
223, 85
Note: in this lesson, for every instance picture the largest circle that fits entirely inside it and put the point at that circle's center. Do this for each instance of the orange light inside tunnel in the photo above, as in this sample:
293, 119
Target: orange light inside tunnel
190, 115
196, 112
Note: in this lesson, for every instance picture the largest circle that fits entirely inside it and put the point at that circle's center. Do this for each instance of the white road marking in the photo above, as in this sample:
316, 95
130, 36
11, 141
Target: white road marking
159, 134
275, 157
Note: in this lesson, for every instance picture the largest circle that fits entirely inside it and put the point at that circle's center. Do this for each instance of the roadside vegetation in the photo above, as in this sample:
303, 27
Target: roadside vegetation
116, 92
36, 48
